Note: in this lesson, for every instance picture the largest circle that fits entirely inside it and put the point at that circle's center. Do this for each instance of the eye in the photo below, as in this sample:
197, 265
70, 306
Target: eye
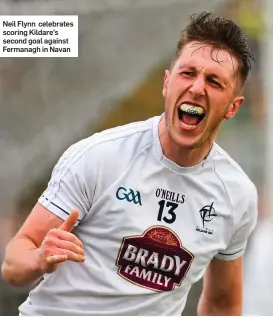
214, 82
188, 74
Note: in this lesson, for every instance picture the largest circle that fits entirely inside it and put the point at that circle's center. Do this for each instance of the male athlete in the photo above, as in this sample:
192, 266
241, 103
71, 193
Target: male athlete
134, 215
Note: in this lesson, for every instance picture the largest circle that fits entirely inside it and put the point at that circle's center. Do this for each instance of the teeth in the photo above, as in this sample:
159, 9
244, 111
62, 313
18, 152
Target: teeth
192, 109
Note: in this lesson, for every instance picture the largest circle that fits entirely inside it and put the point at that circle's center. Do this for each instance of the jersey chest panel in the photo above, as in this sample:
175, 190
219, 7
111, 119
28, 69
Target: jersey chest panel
161, 228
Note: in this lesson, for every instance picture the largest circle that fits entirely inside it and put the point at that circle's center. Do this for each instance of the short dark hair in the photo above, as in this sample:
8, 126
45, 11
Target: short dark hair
220, 33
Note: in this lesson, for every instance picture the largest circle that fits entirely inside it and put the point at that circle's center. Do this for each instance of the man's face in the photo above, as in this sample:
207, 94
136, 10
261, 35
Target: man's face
199, 93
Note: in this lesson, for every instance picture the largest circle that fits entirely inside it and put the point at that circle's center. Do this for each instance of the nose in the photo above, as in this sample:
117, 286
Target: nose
198, 86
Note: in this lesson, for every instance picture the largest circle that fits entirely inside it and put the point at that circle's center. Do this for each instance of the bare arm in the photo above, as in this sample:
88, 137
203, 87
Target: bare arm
42, 243
222, 290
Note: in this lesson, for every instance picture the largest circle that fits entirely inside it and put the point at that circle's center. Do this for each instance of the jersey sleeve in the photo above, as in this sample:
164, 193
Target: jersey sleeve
72, 183
243, 229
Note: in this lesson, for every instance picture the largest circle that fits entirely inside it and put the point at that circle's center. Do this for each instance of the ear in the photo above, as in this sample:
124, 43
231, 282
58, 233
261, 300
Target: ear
234, 107
166, 82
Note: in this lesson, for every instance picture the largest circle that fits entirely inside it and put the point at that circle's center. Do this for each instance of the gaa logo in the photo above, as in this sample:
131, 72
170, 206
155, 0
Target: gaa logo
130, 195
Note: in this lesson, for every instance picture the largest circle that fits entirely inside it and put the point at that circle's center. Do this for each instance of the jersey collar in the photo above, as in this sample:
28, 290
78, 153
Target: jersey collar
170, 164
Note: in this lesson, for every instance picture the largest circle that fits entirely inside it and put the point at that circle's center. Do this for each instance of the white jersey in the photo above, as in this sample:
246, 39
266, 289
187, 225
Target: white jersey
149, 227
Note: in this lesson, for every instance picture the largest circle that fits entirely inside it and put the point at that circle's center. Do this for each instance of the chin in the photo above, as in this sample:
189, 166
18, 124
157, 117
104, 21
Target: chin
187, 142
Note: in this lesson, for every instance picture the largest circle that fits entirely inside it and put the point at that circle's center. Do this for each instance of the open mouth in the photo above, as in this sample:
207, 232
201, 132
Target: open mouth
191, 115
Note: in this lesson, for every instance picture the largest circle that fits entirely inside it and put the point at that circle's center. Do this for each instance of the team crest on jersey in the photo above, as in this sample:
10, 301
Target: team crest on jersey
155, 260
207, 214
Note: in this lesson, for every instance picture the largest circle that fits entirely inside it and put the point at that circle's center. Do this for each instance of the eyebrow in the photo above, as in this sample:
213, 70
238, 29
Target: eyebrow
210, 75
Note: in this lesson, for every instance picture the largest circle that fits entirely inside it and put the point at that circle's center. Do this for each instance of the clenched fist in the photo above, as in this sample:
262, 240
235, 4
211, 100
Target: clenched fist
60, 245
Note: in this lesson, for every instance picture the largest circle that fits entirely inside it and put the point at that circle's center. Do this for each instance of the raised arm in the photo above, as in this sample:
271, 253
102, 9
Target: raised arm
43, 242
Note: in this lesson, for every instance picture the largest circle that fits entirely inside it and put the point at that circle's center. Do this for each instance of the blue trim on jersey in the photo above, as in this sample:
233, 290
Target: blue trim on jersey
59, 207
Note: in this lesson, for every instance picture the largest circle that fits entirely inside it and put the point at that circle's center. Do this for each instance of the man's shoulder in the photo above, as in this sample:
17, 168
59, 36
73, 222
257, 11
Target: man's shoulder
232, 175
240, 190
126, 138
116, 134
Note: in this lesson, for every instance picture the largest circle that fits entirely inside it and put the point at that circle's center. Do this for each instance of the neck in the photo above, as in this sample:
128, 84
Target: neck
182, 156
